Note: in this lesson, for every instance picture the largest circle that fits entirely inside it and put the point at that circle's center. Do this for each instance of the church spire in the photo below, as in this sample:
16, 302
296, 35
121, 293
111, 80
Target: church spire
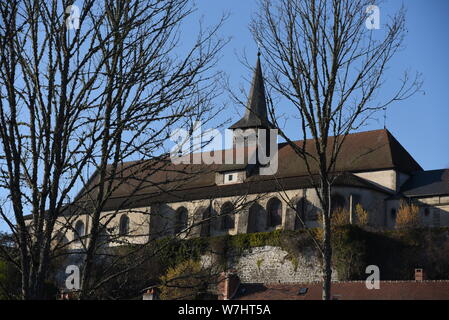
256, 109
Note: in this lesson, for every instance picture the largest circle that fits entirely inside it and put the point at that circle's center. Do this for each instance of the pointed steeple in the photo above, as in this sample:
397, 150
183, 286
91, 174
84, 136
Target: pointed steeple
256, 109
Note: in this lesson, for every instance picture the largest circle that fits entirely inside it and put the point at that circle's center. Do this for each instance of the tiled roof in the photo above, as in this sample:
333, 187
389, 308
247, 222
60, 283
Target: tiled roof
144, 182
351, 290
427, 183
256, 109
364, 151
216, 191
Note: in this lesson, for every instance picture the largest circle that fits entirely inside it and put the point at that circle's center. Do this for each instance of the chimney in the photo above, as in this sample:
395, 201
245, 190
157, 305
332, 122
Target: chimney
228, 285
420, 275
151, 294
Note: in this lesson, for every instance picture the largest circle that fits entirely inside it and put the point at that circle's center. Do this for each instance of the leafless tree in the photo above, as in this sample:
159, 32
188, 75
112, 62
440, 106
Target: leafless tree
330, 69
82, 90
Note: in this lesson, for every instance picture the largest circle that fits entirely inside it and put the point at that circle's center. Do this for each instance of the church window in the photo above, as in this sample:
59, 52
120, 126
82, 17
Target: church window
79, 230
227, 216
274, 209
124, 225
206, 215
301, 210
256, 222
181, 219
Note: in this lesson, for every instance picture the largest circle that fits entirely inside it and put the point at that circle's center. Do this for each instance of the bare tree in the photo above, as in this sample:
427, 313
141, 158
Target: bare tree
82, 90
329, 67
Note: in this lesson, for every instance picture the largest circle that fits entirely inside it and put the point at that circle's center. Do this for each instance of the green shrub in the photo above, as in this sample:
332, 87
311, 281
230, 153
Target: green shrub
186, 281
9, 281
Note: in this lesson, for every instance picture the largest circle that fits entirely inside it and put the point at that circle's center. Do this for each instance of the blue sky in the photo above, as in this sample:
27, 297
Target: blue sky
419, 123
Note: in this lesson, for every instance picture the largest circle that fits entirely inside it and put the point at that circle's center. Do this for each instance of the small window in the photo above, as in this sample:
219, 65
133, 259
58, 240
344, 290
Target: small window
426, 212
302, 291
230, 178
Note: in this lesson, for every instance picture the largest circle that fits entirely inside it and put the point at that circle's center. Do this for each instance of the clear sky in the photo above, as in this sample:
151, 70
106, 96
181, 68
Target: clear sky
419, 123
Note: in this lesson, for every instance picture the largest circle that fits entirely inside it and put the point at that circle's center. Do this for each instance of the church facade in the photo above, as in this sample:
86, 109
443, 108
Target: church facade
162, 199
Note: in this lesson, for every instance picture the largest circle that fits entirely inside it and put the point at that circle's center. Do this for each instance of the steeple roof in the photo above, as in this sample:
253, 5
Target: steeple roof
256, 109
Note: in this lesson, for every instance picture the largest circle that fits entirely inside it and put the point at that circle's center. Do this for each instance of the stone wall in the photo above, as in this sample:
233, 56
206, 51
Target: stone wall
270, 264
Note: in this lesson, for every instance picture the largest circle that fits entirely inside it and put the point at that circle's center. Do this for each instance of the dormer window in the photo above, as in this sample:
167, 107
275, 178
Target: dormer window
238, 175
230, 177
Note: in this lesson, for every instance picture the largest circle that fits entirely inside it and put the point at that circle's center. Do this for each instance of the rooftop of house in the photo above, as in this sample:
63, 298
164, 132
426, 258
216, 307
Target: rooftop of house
349, 290
162, 180
139, 183
427, 183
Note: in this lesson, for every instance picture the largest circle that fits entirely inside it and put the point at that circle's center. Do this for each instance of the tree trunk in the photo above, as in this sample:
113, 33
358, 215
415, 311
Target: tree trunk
327, 246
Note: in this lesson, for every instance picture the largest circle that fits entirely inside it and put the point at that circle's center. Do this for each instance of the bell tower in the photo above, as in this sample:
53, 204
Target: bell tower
255, 117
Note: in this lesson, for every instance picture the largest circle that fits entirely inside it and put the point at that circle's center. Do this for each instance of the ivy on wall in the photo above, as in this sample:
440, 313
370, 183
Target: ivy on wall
396, 252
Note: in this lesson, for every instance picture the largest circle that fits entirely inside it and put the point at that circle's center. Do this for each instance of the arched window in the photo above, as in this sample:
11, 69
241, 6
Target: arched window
300, 213
79, 230
227, 216
204, 214
181, 219
124, 225
256, 222
103, 236
274, 209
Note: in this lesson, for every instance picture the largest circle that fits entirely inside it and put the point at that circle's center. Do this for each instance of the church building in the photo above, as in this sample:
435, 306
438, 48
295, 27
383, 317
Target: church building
159, 198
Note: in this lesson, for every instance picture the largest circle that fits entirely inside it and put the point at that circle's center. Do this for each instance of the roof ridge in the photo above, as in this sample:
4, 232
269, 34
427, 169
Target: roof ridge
425, 171
392, 140
350, 281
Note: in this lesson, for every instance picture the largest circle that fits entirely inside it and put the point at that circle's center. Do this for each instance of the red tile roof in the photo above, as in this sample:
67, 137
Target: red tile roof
363, 151
138, 183
351, 290
427, 183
